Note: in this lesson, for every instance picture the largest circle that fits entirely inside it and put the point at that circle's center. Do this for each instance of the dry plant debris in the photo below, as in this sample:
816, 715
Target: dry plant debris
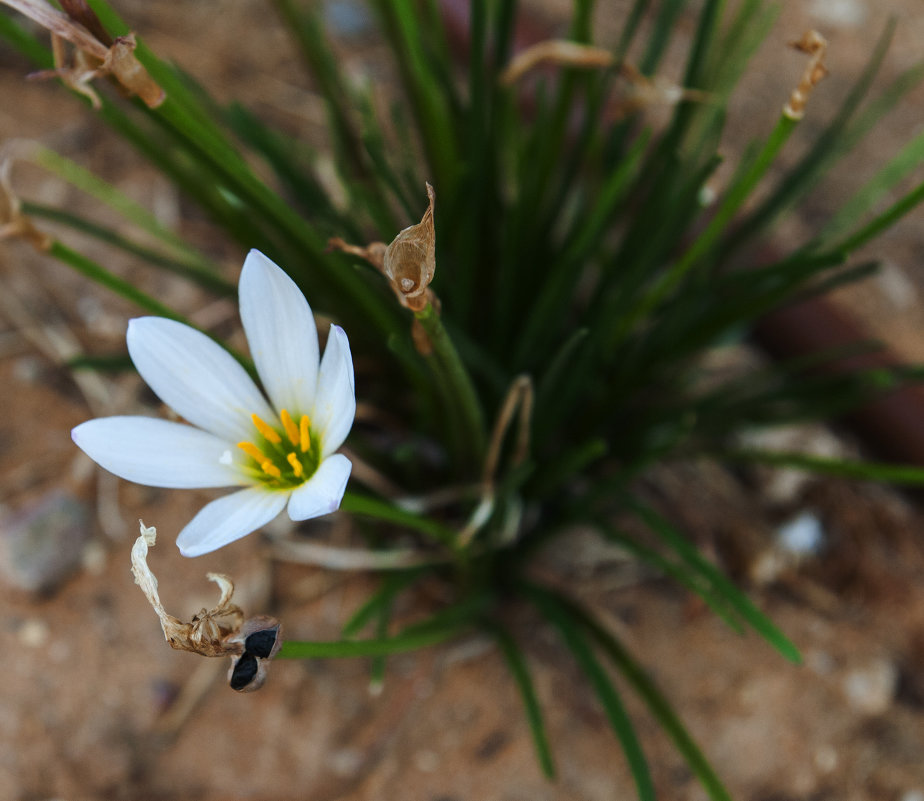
220, 631
94, 56
815, 45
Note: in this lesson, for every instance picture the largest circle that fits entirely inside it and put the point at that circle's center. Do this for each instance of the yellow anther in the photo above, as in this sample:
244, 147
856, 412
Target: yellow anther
252, 451
292, 459
289, 425
270, 469
267, 432
304, 436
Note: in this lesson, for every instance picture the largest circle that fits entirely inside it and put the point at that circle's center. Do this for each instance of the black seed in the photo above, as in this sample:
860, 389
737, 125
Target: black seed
261, 643
244, 672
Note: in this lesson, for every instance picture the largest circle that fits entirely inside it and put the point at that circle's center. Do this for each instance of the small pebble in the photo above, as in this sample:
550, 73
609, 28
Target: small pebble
43, 543
802, 536
34, 633
826, 759
427, 761
870, 689
346, 762
348, 18
840, 13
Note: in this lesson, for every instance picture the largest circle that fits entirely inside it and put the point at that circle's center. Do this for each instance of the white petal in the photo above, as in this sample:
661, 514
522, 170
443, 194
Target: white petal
335, 402
196, 377
159, 453
321, 494
281, 333
228, 519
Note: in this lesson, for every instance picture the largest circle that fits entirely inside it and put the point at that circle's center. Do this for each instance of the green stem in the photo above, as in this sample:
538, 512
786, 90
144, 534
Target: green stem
705, 242
102, 276
910, 475
467, 412
344, 649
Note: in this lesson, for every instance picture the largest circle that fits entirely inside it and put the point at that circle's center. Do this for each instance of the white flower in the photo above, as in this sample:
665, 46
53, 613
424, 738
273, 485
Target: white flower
281, 450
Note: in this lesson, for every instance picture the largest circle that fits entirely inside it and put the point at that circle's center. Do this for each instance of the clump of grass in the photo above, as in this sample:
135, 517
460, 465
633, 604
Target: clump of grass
579, 279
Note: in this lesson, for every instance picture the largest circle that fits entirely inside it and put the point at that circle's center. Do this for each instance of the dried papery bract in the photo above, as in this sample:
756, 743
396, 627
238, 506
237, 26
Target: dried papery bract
815, 45
93, 55
220, 631
13, 223
410, 260
408, 263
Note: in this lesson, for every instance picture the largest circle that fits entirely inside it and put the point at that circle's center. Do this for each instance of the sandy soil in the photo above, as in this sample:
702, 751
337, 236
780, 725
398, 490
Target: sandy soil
95, 706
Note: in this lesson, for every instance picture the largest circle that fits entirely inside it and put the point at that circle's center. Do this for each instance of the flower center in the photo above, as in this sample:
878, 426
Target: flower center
281, 457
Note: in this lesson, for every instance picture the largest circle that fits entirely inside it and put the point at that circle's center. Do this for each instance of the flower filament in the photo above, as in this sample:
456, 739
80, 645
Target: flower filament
283, 456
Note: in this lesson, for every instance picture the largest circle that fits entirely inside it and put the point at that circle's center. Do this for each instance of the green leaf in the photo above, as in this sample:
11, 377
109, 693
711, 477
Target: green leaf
516, 662
719, 582
559, 616
349, 649
648, 691
909, 475
386, 512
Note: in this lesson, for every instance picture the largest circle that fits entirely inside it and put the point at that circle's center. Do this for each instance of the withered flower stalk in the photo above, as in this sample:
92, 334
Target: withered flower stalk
94, 56
815, 45
13, 223
220, 631
641, 90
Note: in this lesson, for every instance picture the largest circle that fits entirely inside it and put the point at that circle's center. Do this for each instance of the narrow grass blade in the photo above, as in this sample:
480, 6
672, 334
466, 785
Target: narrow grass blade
106, 193
551, 607
103, 363
392, 585
827, 146
112, 282
516, 662
682, 574
908, 475
367, 506
207, 278
442, 626
347, 649
884, 221
25, 42
721, 584
717, 226
648, 691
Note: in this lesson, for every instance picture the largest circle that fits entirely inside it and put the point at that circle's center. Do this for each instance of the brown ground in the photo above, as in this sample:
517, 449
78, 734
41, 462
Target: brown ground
95, 706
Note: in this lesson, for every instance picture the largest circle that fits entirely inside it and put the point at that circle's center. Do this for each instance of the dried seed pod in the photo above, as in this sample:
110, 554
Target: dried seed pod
410, 259
246, 673
220, 631
260, 636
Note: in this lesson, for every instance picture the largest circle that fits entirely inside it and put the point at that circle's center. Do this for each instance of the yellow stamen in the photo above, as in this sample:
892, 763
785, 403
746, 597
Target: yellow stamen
270, 469
304, 437
289, 424
252, 451
267, 432
296, 465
